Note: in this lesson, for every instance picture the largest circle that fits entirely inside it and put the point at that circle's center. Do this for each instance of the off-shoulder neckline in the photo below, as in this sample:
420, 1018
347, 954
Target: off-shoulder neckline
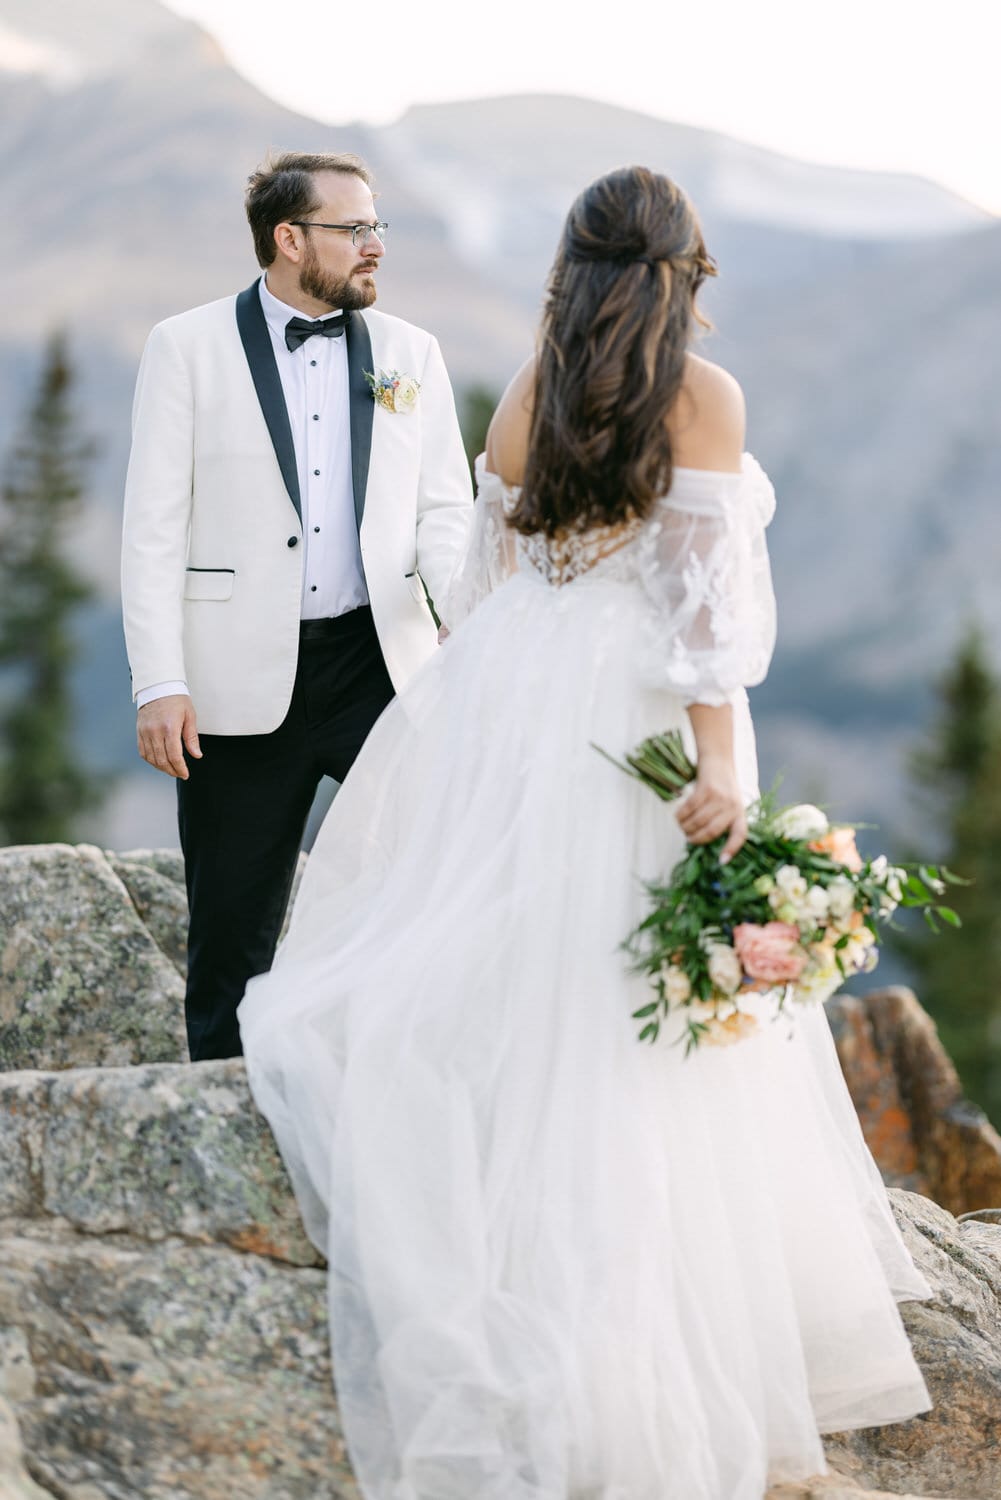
481, 467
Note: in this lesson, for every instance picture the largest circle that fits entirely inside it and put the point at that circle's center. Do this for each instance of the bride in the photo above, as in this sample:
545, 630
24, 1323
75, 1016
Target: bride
565, 1265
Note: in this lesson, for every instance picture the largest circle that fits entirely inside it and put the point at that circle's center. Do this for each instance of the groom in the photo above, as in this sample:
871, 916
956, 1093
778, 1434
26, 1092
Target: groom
297, 489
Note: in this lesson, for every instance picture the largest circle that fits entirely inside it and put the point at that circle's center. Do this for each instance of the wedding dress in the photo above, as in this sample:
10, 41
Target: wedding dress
565, 1265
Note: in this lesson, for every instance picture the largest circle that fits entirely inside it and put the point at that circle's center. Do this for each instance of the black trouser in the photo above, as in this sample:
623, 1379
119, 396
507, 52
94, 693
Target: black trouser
242, 813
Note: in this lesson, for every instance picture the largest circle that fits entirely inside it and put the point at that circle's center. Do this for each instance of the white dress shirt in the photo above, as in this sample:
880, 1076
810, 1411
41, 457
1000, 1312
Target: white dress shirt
314, 381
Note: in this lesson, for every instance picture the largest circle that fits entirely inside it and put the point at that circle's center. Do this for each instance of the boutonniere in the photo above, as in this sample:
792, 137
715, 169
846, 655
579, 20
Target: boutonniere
394, 391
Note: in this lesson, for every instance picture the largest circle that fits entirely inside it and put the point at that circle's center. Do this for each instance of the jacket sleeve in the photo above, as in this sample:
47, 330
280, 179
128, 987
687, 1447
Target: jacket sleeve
445, 492
157, 514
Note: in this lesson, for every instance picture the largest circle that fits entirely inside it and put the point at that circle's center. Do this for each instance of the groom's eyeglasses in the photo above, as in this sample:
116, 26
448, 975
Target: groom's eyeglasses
359, 232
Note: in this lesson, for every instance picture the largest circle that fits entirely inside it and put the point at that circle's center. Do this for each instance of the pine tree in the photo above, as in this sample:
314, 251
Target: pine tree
958, 774
43, 787
478, 406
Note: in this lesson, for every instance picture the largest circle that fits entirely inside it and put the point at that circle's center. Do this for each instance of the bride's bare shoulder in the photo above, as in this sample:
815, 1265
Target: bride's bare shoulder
708, 421
507, 437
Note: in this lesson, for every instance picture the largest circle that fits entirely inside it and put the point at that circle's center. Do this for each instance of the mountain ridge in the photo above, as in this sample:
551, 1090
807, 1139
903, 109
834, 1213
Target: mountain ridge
867, 357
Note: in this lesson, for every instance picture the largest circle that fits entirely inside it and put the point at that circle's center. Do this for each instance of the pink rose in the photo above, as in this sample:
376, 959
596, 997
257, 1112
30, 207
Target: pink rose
839, 843
771, 952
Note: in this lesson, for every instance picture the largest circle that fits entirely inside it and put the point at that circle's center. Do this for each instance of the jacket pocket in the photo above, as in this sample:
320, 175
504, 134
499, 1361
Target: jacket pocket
208, 583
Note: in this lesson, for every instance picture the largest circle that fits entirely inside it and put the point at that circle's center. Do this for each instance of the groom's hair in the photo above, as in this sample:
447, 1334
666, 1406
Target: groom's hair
282, 188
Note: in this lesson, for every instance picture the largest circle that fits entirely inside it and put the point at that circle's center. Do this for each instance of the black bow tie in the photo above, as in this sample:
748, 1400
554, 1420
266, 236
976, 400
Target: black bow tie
298, 330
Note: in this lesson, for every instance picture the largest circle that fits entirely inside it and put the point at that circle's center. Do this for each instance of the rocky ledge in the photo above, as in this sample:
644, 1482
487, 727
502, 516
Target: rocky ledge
162, 1314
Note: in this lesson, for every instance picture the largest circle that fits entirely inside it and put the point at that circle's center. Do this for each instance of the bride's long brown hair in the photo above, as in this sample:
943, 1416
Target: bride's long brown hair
616, 324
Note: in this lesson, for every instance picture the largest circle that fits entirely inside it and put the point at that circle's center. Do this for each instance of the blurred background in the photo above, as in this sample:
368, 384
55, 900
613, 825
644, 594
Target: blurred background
844, 162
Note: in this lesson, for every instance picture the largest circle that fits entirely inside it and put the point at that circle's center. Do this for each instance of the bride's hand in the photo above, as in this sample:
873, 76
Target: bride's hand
714, 806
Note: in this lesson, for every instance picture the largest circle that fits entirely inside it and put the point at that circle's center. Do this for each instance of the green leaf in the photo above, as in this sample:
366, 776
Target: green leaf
948, 915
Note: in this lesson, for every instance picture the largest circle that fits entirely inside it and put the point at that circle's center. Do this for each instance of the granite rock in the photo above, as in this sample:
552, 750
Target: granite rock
93, 956
15, 1481
955, 1449
165, 1149
162, 1312
170, 1370
924, 1134
82, 979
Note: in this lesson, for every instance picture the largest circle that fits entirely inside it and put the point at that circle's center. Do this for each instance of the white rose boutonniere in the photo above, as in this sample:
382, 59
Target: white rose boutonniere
393, 391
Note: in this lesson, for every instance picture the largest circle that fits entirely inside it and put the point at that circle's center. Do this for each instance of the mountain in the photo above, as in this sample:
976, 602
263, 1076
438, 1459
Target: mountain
857, 309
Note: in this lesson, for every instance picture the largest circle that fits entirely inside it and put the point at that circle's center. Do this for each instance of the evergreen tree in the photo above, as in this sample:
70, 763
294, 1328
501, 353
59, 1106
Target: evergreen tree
478, 406
958, 775
43, 787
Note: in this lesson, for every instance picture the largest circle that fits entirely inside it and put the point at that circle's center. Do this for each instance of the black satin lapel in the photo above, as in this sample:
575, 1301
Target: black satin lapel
362, 406
267, 382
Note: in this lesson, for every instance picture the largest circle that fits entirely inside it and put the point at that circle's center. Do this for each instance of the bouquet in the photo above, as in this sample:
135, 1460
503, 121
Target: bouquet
792, 915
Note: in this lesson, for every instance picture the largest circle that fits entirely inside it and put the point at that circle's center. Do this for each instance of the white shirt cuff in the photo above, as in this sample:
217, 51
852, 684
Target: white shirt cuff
159, 690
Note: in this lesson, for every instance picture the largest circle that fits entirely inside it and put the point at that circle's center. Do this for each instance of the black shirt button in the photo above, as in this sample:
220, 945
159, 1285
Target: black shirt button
312, 361
312, 588
316, 471
316, 416
316, 528
293, 541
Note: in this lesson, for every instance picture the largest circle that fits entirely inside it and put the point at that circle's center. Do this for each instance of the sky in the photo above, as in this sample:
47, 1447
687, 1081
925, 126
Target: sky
898, 85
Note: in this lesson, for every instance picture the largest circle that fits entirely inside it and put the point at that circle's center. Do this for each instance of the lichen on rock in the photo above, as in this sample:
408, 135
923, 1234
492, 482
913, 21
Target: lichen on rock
82, 979
163, 1326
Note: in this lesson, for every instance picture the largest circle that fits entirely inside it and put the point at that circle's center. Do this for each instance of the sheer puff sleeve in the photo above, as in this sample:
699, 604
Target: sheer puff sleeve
706, 573
490, 557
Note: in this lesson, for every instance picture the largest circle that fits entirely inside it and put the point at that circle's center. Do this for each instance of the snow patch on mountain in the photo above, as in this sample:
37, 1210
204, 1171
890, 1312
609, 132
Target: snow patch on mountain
25, 54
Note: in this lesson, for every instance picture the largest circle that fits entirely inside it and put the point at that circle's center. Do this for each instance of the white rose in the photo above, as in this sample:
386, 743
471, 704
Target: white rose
790, 885
405, 394
724, 968
885, 905
855, 953
818, 983
804, 821
841, 897
817, 904
677, 987
891, 878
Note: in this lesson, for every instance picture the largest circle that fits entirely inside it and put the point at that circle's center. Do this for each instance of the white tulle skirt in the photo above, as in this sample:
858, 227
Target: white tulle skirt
563, 1265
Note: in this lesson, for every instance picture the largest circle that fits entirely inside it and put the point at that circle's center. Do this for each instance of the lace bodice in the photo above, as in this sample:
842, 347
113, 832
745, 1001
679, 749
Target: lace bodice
699, 561
562, 559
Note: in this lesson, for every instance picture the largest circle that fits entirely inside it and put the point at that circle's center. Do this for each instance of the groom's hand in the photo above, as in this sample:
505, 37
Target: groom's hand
164, 729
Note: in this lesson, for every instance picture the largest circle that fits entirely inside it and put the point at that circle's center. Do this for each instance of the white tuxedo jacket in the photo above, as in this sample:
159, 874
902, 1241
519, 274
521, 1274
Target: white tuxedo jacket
212, 552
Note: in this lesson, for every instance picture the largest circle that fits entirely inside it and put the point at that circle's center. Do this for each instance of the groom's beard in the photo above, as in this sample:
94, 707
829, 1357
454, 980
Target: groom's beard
347, 292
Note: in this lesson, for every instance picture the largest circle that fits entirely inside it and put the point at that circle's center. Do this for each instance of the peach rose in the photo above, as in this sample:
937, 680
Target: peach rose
839, 843
770, 952
734, 1028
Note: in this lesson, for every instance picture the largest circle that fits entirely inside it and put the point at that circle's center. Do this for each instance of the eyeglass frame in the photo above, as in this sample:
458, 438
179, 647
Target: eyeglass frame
378, 229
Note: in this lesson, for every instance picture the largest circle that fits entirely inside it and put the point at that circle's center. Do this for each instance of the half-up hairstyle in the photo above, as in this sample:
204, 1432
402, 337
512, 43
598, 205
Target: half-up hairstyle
616, 324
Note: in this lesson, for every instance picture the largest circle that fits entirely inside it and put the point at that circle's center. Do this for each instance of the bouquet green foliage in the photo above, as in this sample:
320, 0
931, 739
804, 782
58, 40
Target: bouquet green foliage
794, 913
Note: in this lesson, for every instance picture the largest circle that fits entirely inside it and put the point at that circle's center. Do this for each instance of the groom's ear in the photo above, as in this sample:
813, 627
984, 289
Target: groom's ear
289, 241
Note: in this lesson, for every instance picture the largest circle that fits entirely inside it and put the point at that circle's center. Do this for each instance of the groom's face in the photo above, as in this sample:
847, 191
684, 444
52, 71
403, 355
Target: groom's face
333, 270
